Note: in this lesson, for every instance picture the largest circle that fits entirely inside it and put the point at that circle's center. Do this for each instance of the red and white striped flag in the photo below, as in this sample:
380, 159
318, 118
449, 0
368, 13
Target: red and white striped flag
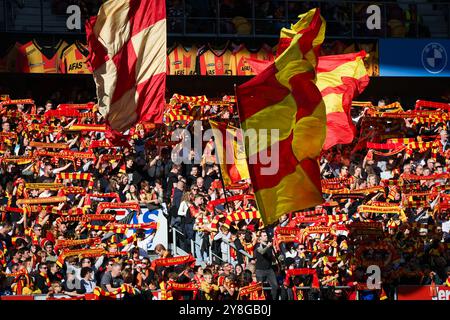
127, 45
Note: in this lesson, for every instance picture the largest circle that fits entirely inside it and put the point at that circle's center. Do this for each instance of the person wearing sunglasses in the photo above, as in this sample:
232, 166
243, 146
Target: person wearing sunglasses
300, 258
42, 280
144, 275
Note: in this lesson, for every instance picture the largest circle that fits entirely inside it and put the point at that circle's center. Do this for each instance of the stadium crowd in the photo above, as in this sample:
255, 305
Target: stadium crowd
385, 205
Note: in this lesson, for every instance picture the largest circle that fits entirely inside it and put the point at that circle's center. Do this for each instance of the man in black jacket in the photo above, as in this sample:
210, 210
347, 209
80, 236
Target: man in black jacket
41, 280
176, 201
237, 240
264, 257
132, 171
172, 179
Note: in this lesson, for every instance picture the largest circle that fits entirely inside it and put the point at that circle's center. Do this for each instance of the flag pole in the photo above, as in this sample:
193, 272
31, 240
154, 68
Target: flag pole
243, 143
221, 178
224, 189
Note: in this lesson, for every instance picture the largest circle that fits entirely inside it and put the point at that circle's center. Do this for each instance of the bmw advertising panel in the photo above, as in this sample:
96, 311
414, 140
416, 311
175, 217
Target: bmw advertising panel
414, 58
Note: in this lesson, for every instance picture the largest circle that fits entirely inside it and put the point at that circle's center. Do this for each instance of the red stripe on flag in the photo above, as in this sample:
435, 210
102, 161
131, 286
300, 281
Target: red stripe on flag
338, 89
348, 83
149, 104
312, 169
97, 52
257, 65
125, 61
229, 145
260, 92
234, 173
144, 14
305, 94
332, 62
340, 127
306, 42
286, 163
308, 37
339, 130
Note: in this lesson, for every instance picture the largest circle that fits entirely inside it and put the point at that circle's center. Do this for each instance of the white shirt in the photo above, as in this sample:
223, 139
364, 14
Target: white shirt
183, 209
446, 226
291, 254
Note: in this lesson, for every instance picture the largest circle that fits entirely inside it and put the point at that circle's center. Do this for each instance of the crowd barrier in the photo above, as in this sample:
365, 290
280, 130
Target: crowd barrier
406, 292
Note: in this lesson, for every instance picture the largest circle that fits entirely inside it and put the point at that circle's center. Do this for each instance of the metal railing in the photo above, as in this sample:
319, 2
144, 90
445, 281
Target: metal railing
176, 250
345, 19
211, 255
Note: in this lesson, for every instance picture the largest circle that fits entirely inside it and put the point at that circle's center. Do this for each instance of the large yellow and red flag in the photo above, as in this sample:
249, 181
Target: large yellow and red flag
340, 78
284, 97
230, 152
127, 45
287, 34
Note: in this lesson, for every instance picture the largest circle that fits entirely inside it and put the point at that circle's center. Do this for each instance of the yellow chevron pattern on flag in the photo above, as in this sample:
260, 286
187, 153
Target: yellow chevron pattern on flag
284, 97
231, 153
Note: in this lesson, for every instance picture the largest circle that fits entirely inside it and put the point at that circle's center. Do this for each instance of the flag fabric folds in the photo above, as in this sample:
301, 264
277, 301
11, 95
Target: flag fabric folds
340, 78
230, 152
127, 45
284, 97
287, 34
257, 65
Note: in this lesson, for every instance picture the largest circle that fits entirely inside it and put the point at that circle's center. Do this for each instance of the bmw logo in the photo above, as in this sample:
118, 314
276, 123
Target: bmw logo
434, 57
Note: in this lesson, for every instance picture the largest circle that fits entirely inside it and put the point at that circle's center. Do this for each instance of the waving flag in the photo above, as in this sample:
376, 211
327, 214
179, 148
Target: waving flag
284, 97
231, 153
340, 78
301, 27
127, 44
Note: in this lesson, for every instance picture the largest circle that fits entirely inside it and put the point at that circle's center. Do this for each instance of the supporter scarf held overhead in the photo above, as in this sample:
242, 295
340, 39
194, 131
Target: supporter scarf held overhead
173, 261
127, 45
284, 97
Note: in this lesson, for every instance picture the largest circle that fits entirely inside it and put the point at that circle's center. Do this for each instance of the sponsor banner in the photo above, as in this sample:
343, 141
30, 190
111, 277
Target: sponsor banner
146, 216
423, 293
414, 58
